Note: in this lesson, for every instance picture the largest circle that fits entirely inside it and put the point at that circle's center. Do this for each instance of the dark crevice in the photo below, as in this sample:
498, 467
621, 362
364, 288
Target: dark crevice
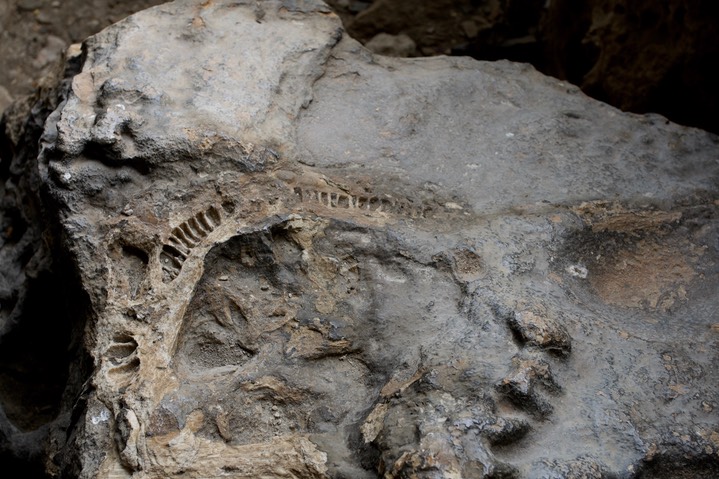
108, 156
679, 466
22, 467
43, 364
35, 356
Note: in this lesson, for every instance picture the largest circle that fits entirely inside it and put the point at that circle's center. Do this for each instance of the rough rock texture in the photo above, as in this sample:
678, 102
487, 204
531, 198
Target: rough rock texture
638, 55
294, 259
641, 56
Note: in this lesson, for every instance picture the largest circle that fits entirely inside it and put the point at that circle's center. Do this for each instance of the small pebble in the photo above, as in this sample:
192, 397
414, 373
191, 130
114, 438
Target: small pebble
392, 45
29, 5
43, 17
470, 28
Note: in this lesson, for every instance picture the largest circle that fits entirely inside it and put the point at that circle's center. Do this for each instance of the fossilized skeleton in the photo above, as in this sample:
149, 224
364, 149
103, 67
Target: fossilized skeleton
316, 263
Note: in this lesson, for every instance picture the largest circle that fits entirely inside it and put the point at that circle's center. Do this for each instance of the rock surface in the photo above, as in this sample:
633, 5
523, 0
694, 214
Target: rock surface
292, 258
638, 55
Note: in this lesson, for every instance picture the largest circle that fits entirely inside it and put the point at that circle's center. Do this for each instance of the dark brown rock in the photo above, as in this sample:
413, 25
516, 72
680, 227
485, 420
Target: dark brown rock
640, 56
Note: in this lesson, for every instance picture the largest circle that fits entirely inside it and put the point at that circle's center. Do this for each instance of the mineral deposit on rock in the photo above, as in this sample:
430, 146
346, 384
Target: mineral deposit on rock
287, 257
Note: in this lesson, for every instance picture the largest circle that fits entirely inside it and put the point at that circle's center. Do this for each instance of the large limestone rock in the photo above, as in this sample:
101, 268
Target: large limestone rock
296, 259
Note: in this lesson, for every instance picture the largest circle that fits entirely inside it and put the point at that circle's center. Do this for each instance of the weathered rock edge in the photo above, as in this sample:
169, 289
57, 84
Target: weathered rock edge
299, 260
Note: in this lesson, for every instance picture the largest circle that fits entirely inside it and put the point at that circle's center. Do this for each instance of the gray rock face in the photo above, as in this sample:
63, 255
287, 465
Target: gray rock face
301, 260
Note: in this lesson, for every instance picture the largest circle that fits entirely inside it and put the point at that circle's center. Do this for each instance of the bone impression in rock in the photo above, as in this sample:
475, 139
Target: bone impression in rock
307, 261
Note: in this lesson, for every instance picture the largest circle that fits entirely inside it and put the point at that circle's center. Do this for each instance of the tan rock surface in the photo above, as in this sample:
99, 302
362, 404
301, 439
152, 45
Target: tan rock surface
277, 255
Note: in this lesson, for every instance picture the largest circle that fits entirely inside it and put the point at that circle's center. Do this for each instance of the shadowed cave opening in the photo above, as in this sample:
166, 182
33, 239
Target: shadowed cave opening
34, 357
42, 365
